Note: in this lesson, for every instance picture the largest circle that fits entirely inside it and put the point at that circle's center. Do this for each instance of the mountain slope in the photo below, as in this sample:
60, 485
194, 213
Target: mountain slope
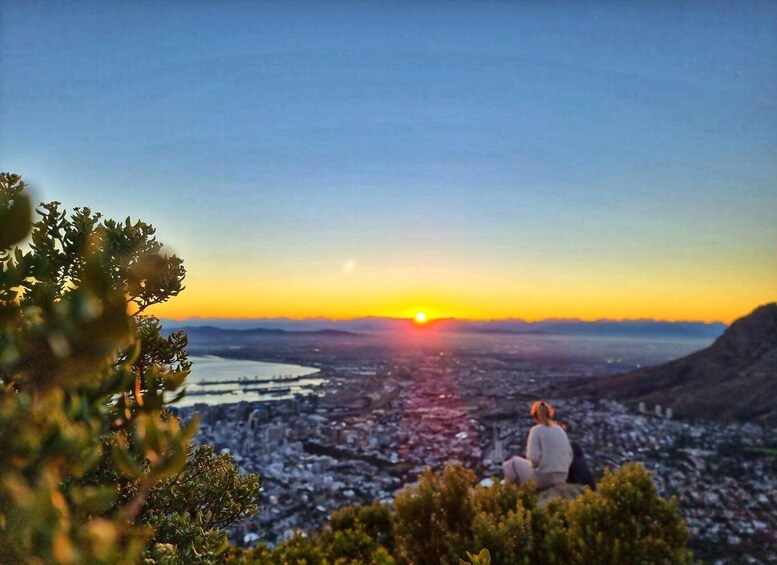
735, 378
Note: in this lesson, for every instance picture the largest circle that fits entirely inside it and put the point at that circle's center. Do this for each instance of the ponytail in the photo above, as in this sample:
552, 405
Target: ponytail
543, 413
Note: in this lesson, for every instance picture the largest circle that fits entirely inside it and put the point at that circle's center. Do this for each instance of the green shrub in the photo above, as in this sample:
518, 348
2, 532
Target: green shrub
445, 519
95, 468
299, 550
626, 522
433, 519
503, 523
376, 520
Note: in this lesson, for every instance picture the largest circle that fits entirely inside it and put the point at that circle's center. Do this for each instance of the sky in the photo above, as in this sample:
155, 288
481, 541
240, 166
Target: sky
479, 160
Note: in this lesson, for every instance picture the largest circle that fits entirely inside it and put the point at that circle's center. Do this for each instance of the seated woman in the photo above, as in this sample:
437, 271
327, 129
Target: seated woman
548, 452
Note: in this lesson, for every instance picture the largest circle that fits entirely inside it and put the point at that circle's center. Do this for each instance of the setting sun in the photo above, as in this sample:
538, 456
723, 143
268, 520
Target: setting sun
420, 318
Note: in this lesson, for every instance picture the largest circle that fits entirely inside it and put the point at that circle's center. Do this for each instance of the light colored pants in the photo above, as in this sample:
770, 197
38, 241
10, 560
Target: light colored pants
520, 470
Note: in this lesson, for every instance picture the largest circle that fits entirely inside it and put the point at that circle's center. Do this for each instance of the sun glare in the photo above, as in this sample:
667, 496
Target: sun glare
420, 318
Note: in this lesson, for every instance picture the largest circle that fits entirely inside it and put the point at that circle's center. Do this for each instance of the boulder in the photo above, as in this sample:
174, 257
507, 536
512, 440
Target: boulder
567, 491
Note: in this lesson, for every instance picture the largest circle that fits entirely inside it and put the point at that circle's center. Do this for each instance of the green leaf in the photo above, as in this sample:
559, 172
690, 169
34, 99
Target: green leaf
15, 220
191, 427
125, 463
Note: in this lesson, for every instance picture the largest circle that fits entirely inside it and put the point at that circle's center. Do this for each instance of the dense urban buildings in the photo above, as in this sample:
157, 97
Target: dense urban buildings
373, 426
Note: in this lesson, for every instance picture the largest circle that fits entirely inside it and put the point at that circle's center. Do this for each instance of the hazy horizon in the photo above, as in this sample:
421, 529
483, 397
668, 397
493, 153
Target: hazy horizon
411, 318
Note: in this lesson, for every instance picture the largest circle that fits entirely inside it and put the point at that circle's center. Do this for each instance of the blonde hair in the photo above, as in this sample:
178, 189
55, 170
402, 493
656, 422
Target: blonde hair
543, 412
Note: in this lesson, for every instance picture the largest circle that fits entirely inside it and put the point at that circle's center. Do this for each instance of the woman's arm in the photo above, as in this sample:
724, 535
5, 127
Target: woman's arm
533, 447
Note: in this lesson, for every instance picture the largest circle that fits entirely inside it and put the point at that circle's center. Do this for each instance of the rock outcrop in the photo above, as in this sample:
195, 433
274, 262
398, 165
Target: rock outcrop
567, 491
733, 379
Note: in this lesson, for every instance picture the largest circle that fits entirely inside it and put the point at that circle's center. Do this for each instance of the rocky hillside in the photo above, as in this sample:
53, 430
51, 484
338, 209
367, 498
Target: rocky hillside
735, 378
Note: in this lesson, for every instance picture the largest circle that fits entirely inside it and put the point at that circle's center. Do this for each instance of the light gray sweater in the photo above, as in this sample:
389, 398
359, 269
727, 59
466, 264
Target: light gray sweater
548, 449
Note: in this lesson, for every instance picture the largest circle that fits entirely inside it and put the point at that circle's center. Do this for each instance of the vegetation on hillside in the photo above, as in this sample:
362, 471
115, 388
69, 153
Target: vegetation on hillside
97, 470
445, 519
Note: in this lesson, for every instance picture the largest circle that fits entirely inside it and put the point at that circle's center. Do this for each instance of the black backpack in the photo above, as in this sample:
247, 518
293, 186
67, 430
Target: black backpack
579, 471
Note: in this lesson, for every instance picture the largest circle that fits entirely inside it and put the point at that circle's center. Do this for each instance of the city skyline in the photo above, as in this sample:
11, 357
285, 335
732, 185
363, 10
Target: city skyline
476, 161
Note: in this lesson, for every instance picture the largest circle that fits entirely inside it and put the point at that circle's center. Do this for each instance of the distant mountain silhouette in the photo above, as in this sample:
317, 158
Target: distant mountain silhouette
599, 328
735, 378
212, 331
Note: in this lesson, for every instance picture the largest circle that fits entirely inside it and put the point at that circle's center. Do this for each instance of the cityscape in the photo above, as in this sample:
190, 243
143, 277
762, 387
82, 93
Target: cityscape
373, 426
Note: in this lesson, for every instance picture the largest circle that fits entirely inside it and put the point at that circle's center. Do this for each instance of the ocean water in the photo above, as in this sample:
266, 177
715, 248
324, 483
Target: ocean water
566, 354
216, 380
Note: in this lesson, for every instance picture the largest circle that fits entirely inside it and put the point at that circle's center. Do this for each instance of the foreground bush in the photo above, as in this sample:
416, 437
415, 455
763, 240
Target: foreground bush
95, 468
445, 519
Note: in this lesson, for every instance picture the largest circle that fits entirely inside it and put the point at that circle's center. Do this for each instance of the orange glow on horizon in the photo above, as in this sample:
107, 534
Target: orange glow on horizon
233, 308
439, 293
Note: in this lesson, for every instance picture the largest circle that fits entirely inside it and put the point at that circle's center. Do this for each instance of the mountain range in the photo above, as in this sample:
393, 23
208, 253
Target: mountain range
597, 328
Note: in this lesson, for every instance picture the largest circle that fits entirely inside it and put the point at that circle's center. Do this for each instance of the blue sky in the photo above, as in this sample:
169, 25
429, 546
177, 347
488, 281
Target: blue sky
570, 148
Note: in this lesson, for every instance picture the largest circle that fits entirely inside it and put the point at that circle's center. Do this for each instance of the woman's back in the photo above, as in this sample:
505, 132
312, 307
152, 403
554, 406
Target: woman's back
549, 449
549, 452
